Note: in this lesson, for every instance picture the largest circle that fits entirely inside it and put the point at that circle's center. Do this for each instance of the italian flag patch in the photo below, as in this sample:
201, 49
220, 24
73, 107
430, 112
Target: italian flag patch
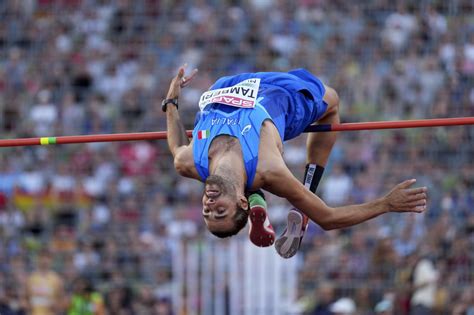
203, 134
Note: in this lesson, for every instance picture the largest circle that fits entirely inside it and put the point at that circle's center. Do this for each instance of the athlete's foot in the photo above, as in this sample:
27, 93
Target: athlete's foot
288, 244
261, 231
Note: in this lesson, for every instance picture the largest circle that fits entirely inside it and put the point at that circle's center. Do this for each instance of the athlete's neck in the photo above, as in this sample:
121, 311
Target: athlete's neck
229, 164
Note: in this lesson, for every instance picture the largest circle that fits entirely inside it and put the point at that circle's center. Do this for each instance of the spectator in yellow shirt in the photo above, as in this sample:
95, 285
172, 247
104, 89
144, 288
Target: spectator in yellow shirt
44, 288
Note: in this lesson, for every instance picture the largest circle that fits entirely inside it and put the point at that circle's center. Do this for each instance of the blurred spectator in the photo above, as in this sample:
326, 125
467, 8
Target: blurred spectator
324, 298
11, 220
85, 258
12, 301
72, 115
119, 300
163, 307
337, 187
425, 277
343, 306
465, 304
85, 300
384, 307
32, 181
45, 288
44, 115
399, 26
145, 301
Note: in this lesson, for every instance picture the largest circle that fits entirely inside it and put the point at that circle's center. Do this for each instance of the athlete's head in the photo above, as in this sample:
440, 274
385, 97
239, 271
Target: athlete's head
223, 207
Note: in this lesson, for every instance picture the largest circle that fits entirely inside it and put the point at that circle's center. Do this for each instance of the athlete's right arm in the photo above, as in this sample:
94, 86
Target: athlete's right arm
400, 199
178, 141
177, 138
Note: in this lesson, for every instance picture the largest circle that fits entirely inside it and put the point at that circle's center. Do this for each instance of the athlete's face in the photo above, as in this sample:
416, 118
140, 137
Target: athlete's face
219, 203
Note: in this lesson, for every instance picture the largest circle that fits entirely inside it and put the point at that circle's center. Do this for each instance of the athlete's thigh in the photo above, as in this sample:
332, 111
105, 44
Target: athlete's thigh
331, 98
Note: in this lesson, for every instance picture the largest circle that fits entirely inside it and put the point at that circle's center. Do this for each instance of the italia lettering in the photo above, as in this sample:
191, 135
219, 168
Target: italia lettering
225, 121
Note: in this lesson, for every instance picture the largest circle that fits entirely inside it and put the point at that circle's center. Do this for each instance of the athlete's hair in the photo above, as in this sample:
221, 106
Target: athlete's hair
240, 220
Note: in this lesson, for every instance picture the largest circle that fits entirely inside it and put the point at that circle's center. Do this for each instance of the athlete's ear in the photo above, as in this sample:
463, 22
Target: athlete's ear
243, 203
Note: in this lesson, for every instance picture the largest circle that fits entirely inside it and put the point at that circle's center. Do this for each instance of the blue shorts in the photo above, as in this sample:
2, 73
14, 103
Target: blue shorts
306, 102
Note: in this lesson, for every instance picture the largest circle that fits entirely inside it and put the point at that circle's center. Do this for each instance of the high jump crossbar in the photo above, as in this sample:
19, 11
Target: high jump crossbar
158, 135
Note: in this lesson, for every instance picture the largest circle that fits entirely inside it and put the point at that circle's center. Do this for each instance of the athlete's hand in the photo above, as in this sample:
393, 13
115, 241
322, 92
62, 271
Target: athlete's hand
404, 199
180, 81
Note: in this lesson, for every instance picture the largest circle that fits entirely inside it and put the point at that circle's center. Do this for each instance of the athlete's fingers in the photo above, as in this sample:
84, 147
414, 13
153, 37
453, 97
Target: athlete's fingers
416, 191
193, 74
419, 208
416, 203
406, 184
420, 196
181, 72
185, 80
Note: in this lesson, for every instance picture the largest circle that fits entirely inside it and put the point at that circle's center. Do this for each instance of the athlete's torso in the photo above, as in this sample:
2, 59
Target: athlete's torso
280, 113
219, 122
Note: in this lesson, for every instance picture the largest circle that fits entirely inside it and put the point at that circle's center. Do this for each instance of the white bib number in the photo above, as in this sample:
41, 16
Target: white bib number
243, 94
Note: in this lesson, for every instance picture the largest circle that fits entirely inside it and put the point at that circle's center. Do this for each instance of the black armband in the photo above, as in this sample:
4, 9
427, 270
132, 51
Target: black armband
167, 101
312, 176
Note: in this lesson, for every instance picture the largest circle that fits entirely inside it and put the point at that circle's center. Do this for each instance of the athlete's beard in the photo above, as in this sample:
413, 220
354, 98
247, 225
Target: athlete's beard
225, 185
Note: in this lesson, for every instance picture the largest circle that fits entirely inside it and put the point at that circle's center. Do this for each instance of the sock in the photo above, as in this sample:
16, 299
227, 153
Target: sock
257, 200
258, 192
312, 176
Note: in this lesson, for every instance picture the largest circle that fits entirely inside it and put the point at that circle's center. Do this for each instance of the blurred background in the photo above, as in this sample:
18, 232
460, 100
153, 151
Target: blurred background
111, 229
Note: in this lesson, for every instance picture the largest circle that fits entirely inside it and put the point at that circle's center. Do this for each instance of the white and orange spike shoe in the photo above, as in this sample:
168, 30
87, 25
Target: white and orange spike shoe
261, 232
288, 244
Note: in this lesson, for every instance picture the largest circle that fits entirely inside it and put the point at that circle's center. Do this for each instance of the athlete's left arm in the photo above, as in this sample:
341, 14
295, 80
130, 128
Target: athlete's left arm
401, 198
178, 141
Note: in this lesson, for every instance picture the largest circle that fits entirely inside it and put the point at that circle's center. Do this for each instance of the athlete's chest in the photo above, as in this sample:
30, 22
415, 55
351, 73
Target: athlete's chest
221, 144
270, 148
268, 142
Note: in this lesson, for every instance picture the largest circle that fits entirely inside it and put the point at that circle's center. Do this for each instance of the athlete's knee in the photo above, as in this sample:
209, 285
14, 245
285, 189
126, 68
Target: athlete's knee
332, 99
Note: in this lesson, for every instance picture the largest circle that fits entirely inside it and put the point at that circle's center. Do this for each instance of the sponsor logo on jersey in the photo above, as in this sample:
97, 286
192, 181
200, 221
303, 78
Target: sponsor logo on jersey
243, 94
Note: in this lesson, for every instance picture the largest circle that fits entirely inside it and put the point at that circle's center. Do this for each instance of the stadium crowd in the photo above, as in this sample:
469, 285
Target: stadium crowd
87, 229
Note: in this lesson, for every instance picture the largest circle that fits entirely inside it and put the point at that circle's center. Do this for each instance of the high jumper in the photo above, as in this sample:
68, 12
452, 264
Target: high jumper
237, 149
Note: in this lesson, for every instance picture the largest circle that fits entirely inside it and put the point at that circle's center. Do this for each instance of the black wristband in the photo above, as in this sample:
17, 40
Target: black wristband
165, 102
312, 176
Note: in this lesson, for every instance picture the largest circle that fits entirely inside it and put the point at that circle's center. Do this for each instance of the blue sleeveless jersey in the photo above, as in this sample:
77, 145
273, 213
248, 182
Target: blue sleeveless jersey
292, 101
